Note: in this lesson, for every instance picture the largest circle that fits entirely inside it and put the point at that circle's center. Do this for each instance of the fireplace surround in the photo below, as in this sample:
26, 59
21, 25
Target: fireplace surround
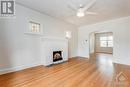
54, 50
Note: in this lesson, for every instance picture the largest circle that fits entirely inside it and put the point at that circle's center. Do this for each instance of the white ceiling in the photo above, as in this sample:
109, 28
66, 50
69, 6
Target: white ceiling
106, 9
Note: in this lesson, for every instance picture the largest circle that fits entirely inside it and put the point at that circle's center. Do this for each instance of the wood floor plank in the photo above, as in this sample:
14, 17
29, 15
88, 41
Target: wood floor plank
98, 71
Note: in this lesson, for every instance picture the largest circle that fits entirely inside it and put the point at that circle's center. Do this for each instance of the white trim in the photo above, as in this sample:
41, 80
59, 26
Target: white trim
34, 19
30, 33
13, 69
122, 63
54, 38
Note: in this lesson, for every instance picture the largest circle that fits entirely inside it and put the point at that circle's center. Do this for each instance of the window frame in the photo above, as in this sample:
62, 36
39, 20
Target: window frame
107, 41
36, 21
36, 24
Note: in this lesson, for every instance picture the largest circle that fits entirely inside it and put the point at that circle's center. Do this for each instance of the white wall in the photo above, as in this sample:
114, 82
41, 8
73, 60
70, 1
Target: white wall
119, 27
19, 50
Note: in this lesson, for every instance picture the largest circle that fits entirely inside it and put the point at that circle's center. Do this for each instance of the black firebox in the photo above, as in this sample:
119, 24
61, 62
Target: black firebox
57, 56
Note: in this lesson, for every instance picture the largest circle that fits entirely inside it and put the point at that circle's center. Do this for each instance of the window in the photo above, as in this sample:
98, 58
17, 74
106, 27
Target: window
34, 27
106, 41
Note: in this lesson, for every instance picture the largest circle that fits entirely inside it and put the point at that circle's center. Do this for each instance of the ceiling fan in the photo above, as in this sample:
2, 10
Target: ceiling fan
82, 10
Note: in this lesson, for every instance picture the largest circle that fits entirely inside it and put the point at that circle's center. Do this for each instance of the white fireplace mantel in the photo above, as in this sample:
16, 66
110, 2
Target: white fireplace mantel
50, 44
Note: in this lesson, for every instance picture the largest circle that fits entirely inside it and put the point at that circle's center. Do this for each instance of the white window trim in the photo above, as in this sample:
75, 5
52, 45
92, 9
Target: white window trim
28, 28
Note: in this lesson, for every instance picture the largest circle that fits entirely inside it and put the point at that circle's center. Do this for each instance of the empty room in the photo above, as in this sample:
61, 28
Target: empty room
64, 43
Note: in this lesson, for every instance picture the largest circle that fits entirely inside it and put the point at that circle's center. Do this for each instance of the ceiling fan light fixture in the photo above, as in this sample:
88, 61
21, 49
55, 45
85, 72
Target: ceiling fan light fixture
80, 14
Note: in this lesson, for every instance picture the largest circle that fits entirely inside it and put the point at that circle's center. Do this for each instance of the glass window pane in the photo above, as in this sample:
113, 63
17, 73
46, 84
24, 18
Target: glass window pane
34, 27
103, 38
110, 38
103, 43
110, 43
38, 28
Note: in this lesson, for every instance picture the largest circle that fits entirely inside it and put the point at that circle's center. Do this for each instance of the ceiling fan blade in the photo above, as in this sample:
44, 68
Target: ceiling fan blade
91, 13
89, 5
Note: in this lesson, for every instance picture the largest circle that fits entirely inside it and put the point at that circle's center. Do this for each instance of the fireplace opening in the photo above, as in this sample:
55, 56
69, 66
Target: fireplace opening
57, 56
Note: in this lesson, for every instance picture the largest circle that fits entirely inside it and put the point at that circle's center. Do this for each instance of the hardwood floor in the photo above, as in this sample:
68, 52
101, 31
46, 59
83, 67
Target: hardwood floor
78, 72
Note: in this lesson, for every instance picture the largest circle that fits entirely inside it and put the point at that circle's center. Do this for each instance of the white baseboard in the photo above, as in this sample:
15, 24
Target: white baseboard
122, 63
13, 69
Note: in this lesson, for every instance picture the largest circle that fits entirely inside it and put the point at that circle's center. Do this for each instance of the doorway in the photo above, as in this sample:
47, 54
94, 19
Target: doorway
101, 42
104, 43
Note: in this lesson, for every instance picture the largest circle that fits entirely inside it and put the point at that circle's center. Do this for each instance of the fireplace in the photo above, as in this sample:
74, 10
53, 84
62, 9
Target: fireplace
51, 46
57, 56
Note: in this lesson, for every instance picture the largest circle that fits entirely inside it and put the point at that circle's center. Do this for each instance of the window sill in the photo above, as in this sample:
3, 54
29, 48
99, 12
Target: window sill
30, 33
